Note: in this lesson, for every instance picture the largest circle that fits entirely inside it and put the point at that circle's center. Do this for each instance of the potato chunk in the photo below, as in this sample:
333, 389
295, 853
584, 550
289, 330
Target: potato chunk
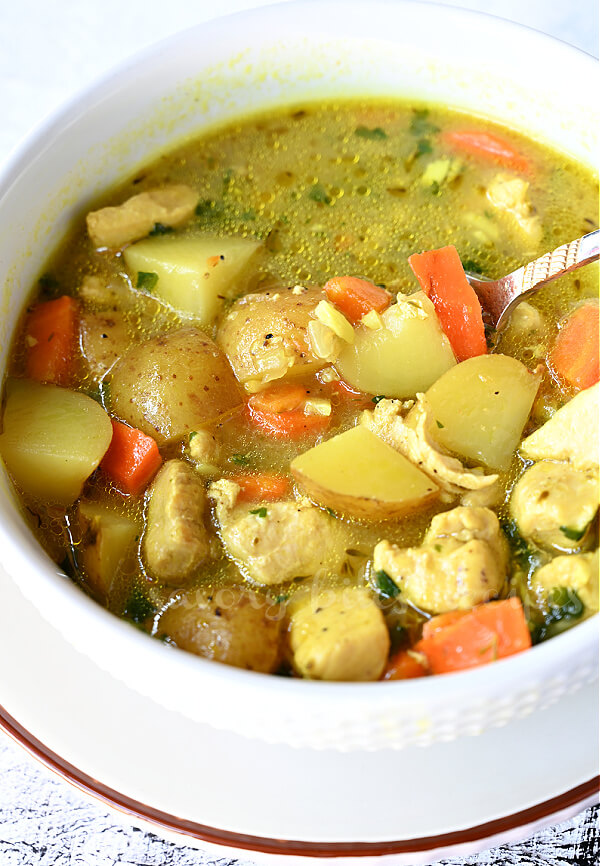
195, 274
403, 357
173, 384
358, 474
176, 541
461, 563
571, 434
105, 337
481, 407
265, 336
107, 538
339, 635
553, 503
231, 625
113, 227
53, 439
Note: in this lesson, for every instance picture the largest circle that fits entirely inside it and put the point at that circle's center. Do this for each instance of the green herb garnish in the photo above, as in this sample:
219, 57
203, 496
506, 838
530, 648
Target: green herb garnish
385, 585
210, 208
138, 608
440, 425
240, 459
564, 607
161, 229
378, 399
471, 266
330, 511
419, 124
423, 147
318, 193
376, 134
249, 214
146, 280
279, 599
573, 534
260, 512
47, 282
526, 556
192, 435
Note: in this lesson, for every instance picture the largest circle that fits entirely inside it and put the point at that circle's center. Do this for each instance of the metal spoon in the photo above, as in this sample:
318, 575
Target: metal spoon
500, 297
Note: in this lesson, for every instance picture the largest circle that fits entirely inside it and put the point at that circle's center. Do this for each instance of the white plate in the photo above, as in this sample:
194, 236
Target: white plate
198, 785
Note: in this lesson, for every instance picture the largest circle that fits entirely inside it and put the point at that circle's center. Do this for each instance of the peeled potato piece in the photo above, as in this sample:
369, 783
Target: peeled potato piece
481, 407
357, 474
171, 385
53, 439
107, 537
195, 274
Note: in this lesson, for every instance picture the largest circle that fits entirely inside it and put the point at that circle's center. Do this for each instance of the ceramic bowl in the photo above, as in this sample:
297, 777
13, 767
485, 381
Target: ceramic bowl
275, 56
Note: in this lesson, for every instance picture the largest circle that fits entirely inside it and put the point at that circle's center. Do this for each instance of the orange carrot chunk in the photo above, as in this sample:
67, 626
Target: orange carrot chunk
278, 411
132, 458
51, 334
487, 145
442, 278
574, 356
487, 632
262, 486
355, 297
442, 620
405, 665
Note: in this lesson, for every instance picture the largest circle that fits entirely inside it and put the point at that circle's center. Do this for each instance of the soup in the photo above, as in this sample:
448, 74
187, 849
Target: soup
252, 407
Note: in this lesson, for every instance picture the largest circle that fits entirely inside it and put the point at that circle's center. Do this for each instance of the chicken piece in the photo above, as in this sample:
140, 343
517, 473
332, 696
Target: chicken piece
104, 337
113, 227
339, 634
553, 503
509, 193
176, 541
461, 563
232, 625
527, 322
413, 437
277, 541
571, 434
205, 450
265, 336
578, 572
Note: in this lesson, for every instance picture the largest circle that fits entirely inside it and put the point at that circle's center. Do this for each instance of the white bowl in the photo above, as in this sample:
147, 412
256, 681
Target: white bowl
277, 56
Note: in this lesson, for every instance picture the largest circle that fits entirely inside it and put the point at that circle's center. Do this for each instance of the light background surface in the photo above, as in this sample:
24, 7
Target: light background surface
49, 52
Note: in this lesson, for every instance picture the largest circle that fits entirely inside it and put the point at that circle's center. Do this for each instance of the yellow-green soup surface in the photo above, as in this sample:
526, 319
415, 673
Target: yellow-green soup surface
426, 518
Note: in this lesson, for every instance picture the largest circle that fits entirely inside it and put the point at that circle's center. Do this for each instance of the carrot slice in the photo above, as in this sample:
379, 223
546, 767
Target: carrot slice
349, 394
132, 458
487, 145
355, 297
485, 633
574, 356
263, 486
279, 411
405, 665
51, 332
442, 620
442, 278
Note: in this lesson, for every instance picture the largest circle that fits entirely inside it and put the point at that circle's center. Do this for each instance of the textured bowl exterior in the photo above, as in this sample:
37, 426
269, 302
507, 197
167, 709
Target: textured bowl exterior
256, 60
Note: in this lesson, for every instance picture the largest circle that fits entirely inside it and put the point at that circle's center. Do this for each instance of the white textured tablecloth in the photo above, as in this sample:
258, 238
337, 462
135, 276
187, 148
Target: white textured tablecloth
48, 51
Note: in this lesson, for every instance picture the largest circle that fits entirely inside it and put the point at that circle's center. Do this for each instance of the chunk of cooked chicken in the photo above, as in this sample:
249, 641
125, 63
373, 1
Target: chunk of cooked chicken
176, 541
553, 503
509, 194
232, 625
339, 635
113, 227
413, 436
462, 561
266, 337
277, 541
96, 292
526, 322
571, 434
104, 338
578, 572
205, 450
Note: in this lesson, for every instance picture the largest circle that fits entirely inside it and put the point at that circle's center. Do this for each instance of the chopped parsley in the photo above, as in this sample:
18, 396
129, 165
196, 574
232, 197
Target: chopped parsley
47, 282
573, 534
440, 425
526, 556
318, 193
210, 208
378, 399
240, 459
260, 512
279, 599
161, 229
192, 435
423, 147
330, 511
564, 607
385, 585
228, 179
471, 266
146, 280
138, 608
376, 134
420, 125
249, 214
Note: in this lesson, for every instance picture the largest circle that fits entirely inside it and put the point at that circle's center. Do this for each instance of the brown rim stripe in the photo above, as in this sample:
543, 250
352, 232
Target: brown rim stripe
230, 839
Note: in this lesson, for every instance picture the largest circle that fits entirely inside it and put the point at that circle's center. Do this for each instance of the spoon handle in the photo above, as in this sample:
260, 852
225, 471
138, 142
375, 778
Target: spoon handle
500, 297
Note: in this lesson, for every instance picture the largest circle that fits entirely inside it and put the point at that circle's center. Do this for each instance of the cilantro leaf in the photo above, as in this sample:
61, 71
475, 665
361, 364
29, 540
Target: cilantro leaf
138, 608
385, 585
376, 134
260, 512
146, 280
318, 193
